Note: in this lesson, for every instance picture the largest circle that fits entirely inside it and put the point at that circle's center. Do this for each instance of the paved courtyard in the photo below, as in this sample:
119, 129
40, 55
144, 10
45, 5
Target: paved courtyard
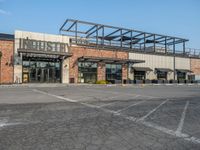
92, 117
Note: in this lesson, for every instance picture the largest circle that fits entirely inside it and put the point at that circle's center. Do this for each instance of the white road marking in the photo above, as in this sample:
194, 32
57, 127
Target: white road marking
110, 98
4, 122
86, 98
180, 126
147, 124
103, 105
121, 93
152, 111
56, 96
130, 106
107, 104
171, 132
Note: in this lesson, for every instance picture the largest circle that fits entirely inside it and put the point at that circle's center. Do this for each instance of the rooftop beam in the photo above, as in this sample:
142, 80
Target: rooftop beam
107, 26
72, 25
170, 38
94, 31
61, 28
138, 35
160, 38
90, 29
113, 32
149, 36
74, 31
126, 32
145, 37
175, 42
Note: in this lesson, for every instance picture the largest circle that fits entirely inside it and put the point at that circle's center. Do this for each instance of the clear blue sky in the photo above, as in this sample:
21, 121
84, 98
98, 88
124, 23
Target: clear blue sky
172, 17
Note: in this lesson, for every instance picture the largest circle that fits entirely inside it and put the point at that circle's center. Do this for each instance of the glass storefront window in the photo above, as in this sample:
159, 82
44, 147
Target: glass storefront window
161, 75
139, 75
87, 72
113, 72
33, 64
37, 71
181, 75
26, 63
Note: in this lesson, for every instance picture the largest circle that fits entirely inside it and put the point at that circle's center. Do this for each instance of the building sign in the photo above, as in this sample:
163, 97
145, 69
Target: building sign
37, 45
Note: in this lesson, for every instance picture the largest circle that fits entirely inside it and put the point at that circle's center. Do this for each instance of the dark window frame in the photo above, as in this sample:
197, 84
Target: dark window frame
113, 72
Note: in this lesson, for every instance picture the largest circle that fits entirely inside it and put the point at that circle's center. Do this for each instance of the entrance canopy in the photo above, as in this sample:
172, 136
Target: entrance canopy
183, 70
109, 60
45, 52
142, 69
164, 69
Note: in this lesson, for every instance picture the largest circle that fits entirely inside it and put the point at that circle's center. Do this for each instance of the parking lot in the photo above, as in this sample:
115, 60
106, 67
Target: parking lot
91, 117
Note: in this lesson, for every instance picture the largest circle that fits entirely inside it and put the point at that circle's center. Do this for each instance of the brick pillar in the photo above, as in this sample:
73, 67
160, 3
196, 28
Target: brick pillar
124, 72
6, 66
101, 74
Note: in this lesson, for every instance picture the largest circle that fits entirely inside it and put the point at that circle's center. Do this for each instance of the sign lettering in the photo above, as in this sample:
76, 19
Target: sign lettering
37, 45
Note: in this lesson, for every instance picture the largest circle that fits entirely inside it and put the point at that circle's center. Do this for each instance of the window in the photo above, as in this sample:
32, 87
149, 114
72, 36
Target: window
139, 75
26, 63
36, 71
181, 75
87, 72
113, 72
161, 75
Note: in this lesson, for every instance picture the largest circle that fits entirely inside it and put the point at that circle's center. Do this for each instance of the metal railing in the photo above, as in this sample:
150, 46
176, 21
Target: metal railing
136, 48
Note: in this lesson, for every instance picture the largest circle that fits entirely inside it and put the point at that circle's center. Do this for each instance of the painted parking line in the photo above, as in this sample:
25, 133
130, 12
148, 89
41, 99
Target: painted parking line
121, 93
171, 132
112, 98
4, 122
152, 111
180, 126
56, 96
147, 124
130, 106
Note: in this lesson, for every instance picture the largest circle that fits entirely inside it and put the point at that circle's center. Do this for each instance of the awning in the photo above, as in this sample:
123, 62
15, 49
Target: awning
183, 70
164, 69
142, 69
45, 52
109, 60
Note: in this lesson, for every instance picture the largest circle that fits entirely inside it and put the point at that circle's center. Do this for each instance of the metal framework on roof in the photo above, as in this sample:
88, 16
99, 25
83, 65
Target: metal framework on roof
4, 36
105, 36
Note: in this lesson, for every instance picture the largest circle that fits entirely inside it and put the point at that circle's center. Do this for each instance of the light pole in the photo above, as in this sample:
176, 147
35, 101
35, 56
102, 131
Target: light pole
0, 65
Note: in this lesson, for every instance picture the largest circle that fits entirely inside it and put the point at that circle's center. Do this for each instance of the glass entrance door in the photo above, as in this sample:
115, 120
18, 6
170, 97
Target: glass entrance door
41, 72
43, 75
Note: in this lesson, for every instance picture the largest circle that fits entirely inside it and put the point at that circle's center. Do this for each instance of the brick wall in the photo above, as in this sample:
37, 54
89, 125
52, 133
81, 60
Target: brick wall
101, 71
82, 51
195, 66
6, 67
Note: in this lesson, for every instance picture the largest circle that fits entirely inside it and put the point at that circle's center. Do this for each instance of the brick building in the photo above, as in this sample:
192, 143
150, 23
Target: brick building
6, 60
79, 75
195, 68
94, 53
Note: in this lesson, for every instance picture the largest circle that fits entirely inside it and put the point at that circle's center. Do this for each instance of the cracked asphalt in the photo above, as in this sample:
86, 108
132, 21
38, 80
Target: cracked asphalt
92, 117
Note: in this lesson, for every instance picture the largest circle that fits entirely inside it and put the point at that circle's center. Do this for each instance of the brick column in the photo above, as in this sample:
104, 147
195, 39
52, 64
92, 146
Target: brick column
124, 72
6, 66
101, 71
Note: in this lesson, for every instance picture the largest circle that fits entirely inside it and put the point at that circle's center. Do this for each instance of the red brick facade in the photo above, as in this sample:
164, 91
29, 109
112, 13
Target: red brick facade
82, 51
195, 66
6, 66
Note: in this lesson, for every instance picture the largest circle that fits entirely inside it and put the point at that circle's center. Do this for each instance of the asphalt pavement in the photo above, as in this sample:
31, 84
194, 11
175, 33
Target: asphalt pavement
92, 117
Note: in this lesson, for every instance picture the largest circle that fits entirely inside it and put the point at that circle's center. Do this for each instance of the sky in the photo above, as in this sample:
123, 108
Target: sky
180, 18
